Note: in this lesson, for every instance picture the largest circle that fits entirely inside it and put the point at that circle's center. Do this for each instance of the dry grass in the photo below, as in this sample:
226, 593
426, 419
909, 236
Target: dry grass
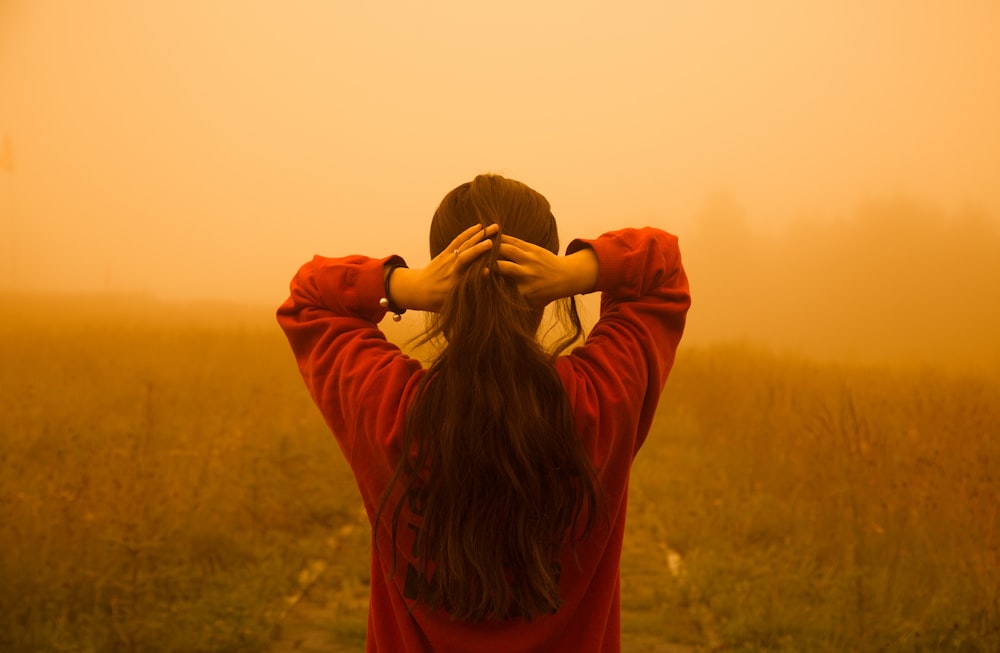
161, 485
165, 477
831, 508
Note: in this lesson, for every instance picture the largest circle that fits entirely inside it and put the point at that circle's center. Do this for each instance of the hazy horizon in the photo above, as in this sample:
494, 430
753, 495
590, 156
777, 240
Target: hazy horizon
198, 151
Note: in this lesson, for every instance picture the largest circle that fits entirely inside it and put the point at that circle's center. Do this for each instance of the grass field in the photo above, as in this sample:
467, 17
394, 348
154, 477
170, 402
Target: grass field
827, 508
165, 479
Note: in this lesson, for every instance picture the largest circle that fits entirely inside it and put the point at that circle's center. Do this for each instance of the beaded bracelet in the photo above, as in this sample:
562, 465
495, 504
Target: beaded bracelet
385, 302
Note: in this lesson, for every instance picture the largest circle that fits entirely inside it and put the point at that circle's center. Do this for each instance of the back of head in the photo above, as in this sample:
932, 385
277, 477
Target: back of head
520, 211
487, 199
504, 483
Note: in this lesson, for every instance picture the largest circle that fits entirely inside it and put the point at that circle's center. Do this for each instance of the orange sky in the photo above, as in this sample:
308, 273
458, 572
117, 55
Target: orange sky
205, 149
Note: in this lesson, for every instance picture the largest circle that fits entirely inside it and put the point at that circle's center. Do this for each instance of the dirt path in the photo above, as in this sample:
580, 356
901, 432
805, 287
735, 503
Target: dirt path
657, 614
329, 614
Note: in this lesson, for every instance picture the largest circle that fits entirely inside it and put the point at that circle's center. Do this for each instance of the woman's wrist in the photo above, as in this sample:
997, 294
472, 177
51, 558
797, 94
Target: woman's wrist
389, 270
397, 289
404, 290
582, 268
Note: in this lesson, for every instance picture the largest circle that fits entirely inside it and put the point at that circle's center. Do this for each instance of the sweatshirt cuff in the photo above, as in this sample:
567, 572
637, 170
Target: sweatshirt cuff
365, 288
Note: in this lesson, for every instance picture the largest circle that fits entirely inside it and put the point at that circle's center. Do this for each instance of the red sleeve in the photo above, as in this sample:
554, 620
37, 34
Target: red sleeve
356, 377
615, 379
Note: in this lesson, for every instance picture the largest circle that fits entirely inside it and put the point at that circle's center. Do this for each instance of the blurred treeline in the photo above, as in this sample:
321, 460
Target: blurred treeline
894, 281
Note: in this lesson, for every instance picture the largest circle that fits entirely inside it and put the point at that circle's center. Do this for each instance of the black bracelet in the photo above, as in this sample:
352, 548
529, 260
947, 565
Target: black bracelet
386, 302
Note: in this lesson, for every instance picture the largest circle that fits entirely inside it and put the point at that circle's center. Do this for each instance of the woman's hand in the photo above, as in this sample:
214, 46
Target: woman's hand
425, 289
542, 276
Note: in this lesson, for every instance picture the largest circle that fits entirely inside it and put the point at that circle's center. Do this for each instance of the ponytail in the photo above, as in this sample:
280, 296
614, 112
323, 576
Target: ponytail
502, 480
492, 470
495, 479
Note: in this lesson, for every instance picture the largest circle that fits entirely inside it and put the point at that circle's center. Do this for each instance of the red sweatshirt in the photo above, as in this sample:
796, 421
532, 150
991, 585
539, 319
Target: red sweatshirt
363, 385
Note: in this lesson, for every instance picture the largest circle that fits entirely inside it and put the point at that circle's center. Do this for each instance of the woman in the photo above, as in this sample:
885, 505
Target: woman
496, 479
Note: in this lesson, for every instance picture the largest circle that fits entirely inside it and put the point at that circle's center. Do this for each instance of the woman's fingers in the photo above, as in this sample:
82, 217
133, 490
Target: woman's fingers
509, 269
521, 251
512, 253
520, 244
476, 245
469, 254
472, 236
461, 238
480, 236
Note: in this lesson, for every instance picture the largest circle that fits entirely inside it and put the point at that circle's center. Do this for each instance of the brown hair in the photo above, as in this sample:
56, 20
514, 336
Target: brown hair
501, 478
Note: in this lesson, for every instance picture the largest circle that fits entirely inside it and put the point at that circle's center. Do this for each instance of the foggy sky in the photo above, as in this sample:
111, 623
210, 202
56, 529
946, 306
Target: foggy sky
206, 149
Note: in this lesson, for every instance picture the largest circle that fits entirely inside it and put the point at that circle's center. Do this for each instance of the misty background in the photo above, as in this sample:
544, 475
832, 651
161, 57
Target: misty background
830, 167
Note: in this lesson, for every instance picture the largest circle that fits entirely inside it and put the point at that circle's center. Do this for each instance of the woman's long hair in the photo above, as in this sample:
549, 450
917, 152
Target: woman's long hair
501, 479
